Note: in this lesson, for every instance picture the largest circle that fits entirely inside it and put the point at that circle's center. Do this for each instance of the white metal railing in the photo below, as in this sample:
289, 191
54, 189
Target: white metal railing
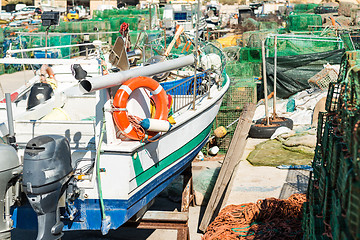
182, 91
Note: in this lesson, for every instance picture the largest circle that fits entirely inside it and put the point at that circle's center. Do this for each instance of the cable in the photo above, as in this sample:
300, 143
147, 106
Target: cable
105, 220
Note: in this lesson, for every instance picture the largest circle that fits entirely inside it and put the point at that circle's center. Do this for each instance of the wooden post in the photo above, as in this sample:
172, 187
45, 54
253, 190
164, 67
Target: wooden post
265, 82
275, 76
188, 192
232, 158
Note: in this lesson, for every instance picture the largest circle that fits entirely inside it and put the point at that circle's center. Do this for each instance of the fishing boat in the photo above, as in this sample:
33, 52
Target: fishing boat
212, 14
181, 13
120, 149
51, 84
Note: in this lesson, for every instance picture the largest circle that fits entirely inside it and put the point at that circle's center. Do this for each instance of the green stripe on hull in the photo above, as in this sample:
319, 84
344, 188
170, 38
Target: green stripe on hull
149, 173
137, 164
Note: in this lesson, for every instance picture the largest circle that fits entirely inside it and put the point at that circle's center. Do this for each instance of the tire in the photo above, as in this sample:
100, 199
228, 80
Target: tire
286, 122
261, 131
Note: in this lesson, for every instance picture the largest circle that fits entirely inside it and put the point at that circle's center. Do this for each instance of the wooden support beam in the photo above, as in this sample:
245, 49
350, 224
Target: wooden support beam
232, 158
188, 196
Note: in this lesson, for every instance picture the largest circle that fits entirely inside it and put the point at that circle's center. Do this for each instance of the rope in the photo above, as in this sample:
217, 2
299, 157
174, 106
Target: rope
270, 218
135, 123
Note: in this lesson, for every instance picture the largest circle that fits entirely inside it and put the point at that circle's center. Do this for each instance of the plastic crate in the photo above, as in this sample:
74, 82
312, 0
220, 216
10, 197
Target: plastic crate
328, 131
326, 201
356, 155
334, 163
353, 212
320, 128
323, 183
314, 198
224, 118
332, 100
49, 54
316, 225
305, 222
328, 156
317, 163
349, 118
241, 92
335, 217
343, 180
344, 235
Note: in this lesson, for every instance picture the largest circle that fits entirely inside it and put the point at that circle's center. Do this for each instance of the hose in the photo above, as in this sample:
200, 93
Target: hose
105, 220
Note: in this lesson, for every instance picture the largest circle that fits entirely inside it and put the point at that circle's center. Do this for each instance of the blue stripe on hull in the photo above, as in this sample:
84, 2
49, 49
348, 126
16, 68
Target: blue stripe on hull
119, 211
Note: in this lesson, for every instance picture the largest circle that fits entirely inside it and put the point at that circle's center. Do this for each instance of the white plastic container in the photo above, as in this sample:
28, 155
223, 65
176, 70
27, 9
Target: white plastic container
155, 125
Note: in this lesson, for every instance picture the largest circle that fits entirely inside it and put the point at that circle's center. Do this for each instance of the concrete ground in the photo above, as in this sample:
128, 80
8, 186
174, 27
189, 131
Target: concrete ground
251, 183
11, 82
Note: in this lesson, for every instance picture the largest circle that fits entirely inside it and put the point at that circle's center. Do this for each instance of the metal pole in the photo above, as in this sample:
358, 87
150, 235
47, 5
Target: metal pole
265, 82
93, 84
46, 41
196, 50
150, 16
275, 76
22, 56
10, 118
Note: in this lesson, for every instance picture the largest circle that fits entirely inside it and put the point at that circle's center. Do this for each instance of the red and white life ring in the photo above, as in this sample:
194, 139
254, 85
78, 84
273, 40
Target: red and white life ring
121, 98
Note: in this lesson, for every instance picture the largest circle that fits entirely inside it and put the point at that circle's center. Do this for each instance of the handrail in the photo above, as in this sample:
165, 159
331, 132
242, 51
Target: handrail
183, 92
13, 51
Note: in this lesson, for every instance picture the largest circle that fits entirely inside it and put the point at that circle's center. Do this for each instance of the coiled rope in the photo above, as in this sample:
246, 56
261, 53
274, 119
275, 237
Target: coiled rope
270, 218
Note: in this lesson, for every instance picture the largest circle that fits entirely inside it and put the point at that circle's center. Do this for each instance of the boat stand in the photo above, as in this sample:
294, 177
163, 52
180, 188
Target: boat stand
171, 220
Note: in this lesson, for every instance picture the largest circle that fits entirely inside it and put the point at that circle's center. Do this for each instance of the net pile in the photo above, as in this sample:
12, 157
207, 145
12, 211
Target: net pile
302, 22
270, 218
305, 7
290, 45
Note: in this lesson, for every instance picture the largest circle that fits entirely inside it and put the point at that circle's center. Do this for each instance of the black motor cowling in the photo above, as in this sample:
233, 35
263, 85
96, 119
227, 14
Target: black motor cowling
47, 171
39, 93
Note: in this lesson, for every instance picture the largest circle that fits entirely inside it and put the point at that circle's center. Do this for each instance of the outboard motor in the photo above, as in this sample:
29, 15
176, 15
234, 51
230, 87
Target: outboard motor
47, 172
39, 93
9, 169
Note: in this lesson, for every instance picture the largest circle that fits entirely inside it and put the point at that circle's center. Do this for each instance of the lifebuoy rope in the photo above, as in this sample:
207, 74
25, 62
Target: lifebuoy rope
126, 123
135, 123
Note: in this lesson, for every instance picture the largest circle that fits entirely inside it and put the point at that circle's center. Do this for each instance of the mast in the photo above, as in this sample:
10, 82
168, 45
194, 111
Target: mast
196, 54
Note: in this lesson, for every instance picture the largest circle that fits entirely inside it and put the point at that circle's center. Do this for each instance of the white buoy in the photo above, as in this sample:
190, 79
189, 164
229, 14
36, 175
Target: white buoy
214, 150
155, 125
200, 156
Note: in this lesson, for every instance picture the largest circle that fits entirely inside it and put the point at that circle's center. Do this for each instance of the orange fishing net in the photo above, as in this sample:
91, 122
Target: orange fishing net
270, 218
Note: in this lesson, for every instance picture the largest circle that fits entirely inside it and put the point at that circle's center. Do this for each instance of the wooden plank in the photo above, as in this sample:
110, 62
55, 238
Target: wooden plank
179, 31
227, 191
188, 192
165, 216
232, 158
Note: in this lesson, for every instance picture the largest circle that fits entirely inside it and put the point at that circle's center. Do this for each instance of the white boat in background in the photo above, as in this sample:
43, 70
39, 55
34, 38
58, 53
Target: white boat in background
183, 14
212, 14
37, 98
112, 164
